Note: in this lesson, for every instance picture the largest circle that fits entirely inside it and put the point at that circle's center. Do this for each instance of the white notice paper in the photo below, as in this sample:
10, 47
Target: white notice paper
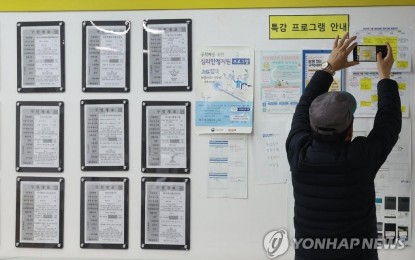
228, 165
39, 212
111, 216
165, 213
41, 56
398, 37
39, 136
166, 137
104, 219
363, 86
168, 55
270, 164
104, 135
106, 57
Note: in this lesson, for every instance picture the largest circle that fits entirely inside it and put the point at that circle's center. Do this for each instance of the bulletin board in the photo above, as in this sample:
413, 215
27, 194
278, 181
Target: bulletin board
220, 228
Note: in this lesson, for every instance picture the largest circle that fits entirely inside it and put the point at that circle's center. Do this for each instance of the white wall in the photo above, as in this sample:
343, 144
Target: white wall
220, 228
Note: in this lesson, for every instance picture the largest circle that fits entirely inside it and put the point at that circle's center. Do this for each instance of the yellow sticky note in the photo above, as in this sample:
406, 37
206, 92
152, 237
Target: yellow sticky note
401, 64
403, 109
365, 103
366, 84
374, 98
402, 86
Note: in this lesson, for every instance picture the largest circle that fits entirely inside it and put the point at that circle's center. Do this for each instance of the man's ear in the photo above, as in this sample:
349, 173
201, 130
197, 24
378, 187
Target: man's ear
349, 135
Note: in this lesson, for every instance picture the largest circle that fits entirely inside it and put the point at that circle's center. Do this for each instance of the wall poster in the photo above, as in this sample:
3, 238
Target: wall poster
39, 212
165, 139
106, 56
39, 136
167, 55
225, 93
165, 213
104, 212
104, 135
40, 57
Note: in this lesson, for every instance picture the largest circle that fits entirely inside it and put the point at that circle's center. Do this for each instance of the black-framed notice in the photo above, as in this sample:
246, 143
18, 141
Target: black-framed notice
165, 213
106, 56
104, 135
39, 136
41, 56
167, 55
104, 213
39, 212
165, 137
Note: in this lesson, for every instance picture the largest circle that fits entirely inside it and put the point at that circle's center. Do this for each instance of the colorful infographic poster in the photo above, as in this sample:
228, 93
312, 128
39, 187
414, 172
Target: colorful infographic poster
224, 95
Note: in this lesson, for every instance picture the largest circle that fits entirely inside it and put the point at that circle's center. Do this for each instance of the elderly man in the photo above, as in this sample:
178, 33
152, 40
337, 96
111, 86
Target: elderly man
333, 175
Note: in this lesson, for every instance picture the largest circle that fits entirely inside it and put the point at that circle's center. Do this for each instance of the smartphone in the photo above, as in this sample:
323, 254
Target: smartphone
368, 53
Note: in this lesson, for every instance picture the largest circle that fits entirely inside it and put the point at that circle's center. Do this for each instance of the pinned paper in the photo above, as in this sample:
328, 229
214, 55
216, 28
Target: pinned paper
399, 39
363, 86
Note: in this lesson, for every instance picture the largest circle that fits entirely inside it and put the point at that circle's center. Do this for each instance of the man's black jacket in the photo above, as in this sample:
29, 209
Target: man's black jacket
334, 181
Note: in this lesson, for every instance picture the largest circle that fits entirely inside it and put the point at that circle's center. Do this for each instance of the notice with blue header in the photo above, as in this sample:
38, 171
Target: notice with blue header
224, 94
312, 60
228, 167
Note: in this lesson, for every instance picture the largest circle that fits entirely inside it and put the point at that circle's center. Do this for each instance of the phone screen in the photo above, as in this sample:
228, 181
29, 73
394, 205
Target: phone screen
366, 53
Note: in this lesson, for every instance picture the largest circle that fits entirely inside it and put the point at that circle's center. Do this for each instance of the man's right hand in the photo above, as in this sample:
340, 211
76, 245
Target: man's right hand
385, 64
341, 49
